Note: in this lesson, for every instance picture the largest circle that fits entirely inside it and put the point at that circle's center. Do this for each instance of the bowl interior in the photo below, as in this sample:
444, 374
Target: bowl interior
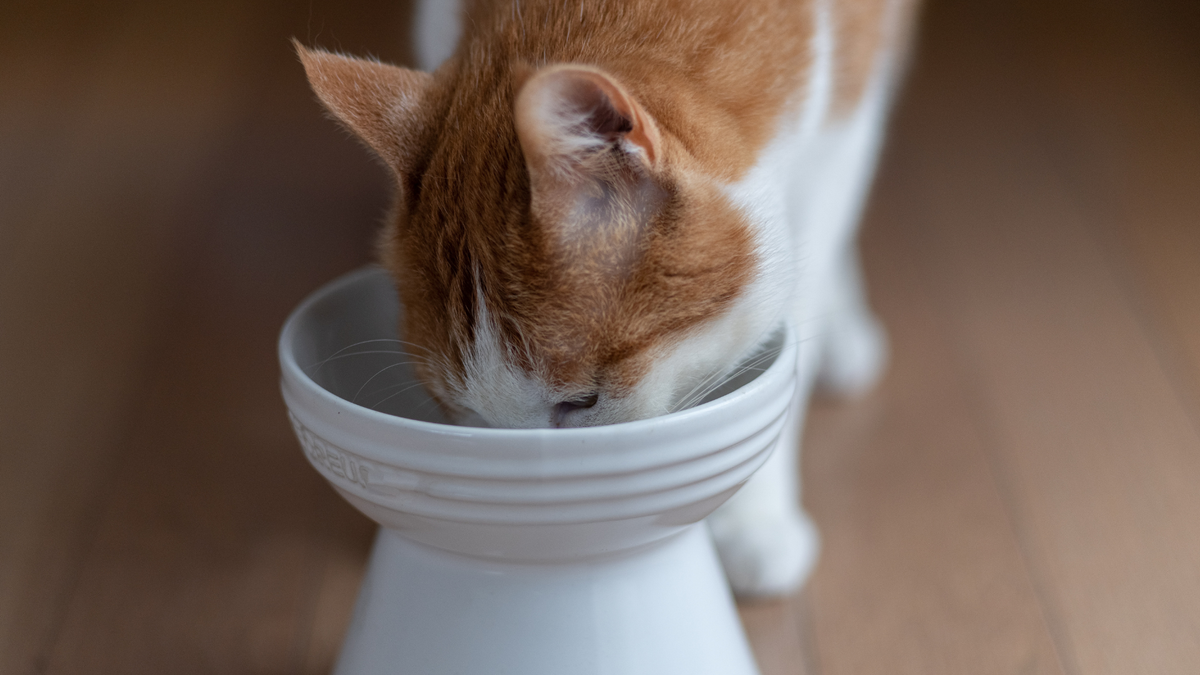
344, 338
346, 341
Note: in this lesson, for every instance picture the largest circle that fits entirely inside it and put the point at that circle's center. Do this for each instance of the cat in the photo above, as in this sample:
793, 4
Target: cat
604, 205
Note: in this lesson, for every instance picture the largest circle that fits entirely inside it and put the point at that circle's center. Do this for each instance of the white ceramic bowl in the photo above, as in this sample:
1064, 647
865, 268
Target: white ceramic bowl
582, 506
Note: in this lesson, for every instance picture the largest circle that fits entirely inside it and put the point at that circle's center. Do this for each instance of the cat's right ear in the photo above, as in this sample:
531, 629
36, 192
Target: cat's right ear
380, 103
593, 154
568, 114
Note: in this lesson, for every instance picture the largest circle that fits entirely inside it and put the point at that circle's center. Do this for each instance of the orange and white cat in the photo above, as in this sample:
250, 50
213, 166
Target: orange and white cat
603, 205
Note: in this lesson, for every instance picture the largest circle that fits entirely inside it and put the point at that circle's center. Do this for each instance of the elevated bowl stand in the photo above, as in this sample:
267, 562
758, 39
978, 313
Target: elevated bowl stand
530, 552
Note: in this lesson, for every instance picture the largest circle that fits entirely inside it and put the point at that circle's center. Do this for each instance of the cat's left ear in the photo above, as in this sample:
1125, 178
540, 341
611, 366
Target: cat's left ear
380, 103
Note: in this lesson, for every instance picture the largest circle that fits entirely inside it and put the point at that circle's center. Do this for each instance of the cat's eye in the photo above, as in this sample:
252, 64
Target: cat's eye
578, 403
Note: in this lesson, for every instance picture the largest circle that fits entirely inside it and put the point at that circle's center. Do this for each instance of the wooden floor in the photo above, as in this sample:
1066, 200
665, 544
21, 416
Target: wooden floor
1022, 495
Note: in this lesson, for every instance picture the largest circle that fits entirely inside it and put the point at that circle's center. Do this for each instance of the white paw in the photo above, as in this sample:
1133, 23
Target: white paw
854, 357
766, 556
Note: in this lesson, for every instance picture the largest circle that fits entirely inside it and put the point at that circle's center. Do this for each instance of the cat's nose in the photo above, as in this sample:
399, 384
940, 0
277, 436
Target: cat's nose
562, 410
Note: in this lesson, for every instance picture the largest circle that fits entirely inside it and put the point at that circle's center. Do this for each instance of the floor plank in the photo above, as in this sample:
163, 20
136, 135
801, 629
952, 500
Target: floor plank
1133, 138
1096, 452
921, 571
780, 634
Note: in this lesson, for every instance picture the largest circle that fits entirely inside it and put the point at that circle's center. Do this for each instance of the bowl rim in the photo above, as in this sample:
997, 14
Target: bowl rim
293, 374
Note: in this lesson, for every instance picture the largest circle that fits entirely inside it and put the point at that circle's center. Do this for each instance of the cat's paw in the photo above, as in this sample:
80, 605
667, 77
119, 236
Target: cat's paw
854, 356
766, 557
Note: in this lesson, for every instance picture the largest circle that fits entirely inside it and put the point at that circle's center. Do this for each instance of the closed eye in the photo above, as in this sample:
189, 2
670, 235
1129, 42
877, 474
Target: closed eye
581, 402
563, 409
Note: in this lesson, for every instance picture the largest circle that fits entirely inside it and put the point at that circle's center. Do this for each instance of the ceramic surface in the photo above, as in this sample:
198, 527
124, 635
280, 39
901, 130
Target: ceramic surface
532, 551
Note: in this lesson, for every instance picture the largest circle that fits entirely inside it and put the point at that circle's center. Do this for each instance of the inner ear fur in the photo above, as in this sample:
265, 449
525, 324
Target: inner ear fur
567, 114
594, 156
379, 103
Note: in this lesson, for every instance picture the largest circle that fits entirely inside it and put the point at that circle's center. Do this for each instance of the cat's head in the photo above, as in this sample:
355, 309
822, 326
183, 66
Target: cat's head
562, 258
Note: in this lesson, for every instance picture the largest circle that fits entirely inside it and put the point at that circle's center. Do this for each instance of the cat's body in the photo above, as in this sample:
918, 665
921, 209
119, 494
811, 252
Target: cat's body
603, 206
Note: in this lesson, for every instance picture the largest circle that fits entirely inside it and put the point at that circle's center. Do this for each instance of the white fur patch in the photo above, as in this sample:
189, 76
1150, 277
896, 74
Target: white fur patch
437, 27
499, 392
805, 195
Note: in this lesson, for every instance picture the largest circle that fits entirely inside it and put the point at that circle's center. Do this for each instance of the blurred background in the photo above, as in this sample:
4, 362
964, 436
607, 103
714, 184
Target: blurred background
1022, 494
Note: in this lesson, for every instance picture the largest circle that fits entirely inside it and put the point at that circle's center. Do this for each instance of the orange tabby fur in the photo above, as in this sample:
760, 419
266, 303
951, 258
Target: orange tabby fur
466, 195
706, 85
861, 36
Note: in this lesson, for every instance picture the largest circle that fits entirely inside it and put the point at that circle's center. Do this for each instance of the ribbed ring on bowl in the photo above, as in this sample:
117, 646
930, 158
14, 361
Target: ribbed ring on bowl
531, 476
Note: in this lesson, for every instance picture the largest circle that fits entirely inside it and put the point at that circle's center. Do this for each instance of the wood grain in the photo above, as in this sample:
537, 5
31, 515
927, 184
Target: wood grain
1096, 452
780, 635
1134, 146
921, 570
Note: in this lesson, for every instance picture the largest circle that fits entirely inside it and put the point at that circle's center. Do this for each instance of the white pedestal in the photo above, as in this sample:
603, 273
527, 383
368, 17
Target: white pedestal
658, 610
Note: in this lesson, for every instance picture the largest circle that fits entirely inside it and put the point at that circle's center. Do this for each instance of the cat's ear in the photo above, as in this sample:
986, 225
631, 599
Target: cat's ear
566, 115
592, 153
378, 102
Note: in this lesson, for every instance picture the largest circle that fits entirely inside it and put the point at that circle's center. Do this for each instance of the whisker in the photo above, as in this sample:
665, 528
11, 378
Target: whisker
407, 386
700, 396
687, 397
748, 366
379, 372
427, 402
405, 343
721, 377
346, 356
356, 344
717, 380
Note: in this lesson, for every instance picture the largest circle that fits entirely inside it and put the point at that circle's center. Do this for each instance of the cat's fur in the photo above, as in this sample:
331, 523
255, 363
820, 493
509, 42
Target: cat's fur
603, 204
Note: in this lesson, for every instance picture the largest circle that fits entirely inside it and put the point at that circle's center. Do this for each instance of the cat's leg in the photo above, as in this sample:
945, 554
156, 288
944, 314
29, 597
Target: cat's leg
766, 542
853, 343
436, 30
854, 346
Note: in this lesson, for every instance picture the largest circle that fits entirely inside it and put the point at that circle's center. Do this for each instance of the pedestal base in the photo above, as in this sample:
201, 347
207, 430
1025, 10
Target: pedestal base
659, 610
